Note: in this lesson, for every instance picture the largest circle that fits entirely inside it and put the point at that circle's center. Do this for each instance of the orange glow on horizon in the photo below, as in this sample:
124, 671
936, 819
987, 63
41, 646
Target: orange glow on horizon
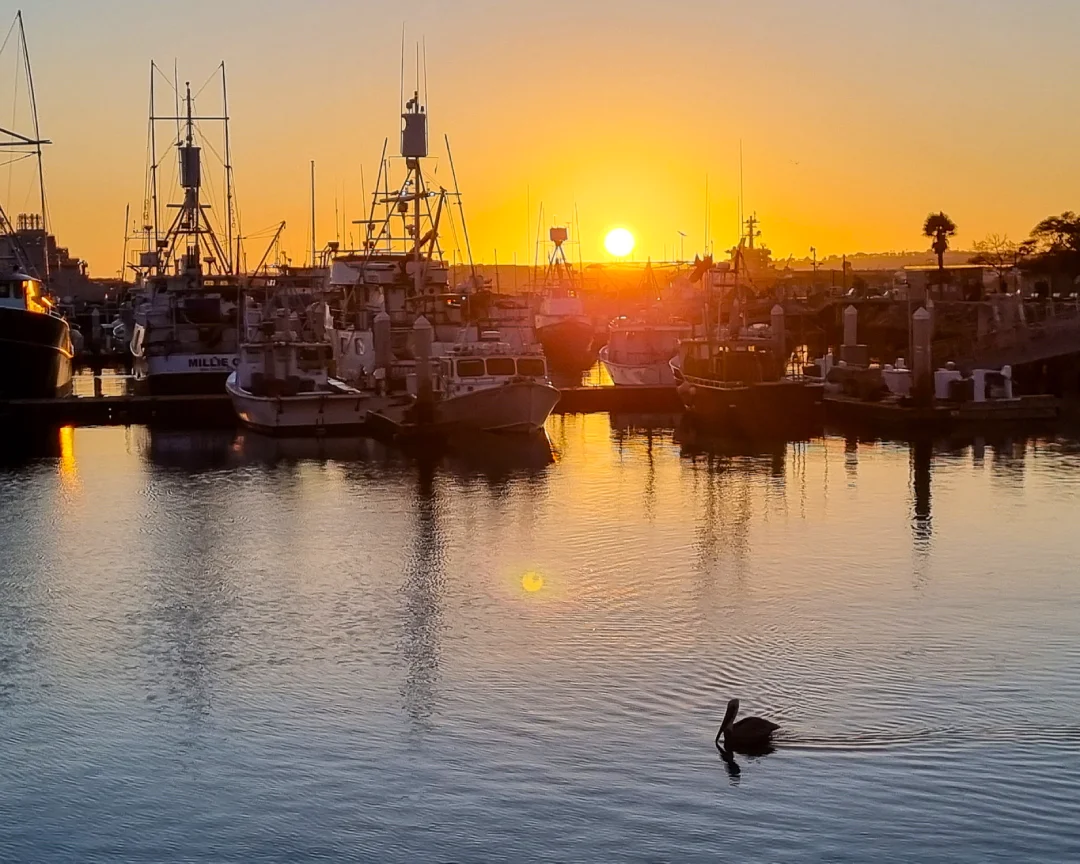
845, 151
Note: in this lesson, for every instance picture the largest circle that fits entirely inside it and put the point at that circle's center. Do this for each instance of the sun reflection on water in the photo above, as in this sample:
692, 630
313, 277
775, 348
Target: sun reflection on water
69, 470
532, 582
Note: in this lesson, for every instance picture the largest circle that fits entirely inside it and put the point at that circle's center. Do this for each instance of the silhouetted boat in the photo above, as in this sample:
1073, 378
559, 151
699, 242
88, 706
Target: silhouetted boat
735, 379
562, 326
185, 334
35, 340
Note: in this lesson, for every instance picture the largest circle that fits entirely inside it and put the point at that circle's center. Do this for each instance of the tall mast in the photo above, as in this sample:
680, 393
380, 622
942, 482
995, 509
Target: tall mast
191, 180
313, 251
153, 159
37, 134
233, 266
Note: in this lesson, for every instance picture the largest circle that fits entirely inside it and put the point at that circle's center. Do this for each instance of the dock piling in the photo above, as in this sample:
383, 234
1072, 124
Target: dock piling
922, 361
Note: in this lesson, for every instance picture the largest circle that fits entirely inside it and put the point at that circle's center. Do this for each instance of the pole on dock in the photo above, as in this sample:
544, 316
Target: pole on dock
383, 354
922, 362
779, 334
422, 338
851, 326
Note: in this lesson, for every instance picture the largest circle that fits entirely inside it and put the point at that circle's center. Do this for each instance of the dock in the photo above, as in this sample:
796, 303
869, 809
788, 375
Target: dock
892, 416
215, 410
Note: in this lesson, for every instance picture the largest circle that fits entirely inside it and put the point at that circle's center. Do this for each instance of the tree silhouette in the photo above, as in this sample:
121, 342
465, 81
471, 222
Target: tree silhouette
1001, 254
1056, 244
939, 228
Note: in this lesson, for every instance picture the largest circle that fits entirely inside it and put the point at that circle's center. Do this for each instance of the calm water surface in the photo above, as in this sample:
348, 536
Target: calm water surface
215, 647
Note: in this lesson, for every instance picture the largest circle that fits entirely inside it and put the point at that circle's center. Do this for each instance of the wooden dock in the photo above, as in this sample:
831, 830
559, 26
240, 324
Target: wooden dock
215, 410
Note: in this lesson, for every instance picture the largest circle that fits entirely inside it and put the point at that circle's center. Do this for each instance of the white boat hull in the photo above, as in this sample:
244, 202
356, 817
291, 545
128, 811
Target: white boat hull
304, 414
520, 406
655, 374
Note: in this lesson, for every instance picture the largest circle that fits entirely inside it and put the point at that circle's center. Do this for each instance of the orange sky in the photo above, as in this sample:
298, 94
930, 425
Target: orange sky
857, 117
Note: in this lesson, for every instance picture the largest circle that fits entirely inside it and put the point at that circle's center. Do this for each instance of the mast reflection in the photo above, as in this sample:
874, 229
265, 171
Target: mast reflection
922, 527
425, 574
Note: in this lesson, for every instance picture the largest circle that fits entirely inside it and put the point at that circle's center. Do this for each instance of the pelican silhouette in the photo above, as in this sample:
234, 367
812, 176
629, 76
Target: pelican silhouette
749, 735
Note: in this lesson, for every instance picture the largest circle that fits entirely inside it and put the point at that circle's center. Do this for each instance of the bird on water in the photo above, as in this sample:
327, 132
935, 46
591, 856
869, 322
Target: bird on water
749, 735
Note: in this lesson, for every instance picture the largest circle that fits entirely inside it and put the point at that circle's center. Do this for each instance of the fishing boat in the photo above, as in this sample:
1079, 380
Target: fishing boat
35, 339
185, 335
489, 386
639, 348
562, 326
400, 270
639, 351
738, 380
380, 294
283, 384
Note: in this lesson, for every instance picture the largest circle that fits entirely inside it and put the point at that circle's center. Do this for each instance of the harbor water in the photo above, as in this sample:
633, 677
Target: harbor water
220, 647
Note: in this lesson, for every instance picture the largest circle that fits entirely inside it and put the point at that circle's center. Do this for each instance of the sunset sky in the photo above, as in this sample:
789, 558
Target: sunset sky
857, 117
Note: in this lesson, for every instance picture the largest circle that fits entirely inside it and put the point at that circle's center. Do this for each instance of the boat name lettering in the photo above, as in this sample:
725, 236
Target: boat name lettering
213, 362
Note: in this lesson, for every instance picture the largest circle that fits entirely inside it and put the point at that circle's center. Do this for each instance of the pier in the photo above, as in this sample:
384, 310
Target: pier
215, 410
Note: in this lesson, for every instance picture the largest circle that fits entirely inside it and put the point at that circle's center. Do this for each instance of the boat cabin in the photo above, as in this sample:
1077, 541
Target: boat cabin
20, 291
489, 362
282, 356
735, 362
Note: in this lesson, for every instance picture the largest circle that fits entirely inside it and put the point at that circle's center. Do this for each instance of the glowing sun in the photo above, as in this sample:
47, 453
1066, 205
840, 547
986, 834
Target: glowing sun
619, 242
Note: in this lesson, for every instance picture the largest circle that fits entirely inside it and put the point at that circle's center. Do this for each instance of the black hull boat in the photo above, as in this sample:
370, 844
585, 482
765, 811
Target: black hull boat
568, 345
738, 388
181, 384
35, 349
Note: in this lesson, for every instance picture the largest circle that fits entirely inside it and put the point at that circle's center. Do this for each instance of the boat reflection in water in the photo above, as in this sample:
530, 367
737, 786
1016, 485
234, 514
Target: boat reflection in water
495, 458
695, 442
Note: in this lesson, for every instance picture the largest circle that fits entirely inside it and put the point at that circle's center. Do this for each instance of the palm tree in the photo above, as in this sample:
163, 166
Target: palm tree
939, 228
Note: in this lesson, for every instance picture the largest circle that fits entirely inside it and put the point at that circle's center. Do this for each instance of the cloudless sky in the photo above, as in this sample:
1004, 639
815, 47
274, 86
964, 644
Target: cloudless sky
857, 117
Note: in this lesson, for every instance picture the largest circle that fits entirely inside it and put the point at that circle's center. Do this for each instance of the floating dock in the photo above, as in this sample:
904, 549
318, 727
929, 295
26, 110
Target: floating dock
216, 409
891, 416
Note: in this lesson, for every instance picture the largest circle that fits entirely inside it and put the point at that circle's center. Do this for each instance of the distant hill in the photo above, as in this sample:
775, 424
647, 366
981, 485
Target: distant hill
878, 260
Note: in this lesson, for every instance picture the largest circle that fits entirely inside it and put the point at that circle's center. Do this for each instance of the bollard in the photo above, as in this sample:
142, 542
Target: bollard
922, 362
851, 326
422, 338
779, 334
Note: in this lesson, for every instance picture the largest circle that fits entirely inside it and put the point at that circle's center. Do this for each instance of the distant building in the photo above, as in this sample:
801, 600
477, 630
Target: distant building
961, 282
67, 276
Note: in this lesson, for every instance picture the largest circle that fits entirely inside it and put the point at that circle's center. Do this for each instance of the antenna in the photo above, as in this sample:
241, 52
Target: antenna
123, 261
742, 199
401, 96
425, 73
313, 251
706, 214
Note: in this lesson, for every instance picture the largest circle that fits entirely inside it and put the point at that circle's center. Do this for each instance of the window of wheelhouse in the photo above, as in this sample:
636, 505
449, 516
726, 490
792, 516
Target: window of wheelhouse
470, 368
531, 367
503, 366
32, 291
5, 290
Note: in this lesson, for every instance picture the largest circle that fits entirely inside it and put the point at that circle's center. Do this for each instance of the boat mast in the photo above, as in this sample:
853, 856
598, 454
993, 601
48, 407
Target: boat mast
37, 136
153, 161
190, 179
233, 266
461, 209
